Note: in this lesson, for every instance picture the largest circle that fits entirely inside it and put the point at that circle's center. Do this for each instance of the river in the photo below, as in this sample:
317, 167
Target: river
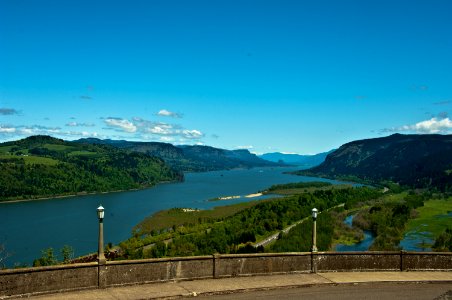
362, 245
28, 227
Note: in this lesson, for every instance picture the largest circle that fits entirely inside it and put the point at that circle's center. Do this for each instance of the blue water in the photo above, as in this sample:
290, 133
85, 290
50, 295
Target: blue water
421, 239
28, 227
414, 240
361, 246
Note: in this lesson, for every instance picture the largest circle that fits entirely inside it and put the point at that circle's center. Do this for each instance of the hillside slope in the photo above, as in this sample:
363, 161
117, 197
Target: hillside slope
42, 166
191, 158
412, 160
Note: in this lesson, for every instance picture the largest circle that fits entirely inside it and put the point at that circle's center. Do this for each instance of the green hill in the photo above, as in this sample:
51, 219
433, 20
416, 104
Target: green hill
42, 166
418, 161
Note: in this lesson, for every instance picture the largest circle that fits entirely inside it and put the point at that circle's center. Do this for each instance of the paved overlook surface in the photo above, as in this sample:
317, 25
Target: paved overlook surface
337, 285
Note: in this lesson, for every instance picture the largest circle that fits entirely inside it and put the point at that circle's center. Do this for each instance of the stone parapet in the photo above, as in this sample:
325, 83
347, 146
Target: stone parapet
30, 281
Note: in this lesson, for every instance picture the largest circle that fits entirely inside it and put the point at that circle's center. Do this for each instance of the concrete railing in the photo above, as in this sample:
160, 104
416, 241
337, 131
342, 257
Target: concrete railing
92, 275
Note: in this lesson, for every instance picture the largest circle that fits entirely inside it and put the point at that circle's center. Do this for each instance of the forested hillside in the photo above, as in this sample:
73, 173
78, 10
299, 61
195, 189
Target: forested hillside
191, 158
418, 161
42, 166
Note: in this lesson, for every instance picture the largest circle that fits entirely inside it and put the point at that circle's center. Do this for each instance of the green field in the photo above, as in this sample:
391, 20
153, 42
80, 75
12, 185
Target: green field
297, 191
433, 217
34, 160
177, 216
84, 153
55, 147
31, 159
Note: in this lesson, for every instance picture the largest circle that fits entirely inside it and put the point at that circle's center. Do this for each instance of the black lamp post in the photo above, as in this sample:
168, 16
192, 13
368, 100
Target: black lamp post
314, 229
100, 253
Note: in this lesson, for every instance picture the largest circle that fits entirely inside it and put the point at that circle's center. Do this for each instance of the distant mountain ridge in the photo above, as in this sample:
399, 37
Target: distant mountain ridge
304, 161
412, 160
191, 158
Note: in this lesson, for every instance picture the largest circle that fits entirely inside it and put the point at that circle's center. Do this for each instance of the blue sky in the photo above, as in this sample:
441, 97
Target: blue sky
289, 76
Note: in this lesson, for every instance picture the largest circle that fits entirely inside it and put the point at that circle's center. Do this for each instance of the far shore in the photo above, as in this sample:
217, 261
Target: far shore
81, 194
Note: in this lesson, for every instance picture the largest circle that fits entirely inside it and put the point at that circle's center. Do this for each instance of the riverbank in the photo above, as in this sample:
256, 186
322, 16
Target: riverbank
81, 194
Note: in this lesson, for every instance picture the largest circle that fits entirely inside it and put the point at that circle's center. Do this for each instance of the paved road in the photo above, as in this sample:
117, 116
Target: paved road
334, 285
368, 291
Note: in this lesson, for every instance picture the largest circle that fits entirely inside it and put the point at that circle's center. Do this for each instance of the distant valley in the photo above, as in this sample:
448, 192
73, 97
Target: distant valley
303, 161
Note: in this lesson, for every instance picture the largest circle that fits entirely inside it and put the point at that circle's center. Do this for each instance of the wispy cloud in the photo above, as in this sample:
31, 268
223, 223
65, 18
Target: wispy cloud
85, 97
167, 113
7, 129
8, 111
421, 87
166, 139
192, 134
77, 124
434, 125
28, 130
245, 147
445, 102
120, 124
360, 97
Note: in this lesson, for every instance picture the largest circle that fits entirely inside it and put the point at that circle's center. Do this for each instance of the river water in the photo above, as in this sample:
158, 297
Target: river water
28, 227
361, 246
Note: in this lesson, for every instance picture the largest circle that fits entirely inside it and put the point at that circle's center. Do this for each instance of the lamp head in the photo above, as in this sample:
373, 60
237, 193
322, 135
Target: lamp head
100, 212
314, 213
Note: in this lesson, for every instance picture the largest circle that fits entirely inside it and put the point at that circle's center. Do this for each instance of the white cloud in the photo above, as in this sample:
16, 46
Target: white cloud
192, 134
7, 129
246, 147
167, 113
434, 125
121, 124
160, 129
166, 139
24, 131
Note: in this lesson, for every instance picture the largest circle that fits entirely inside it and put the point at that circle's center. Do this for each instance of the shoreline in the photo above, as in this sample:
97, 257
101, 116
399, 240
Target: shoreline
6, 201
81, 194
255, 195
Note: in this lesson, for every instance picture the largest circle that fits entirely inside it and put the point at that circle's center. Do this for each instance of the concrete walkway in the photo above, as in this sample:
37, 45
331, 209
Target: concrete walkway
172, 290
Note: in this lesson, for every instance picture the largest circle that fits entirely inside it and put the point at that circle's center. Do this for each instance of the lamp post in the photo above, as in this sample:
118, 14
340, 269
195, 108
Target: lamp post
314, 230
100, 253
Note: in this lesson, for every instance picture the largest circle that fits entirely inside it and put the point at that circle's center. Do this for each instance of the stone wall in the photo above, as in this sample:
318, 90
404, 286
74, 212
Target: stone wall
82, 276
357, 261
252, 264
431, 261
155, 270
45, 279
